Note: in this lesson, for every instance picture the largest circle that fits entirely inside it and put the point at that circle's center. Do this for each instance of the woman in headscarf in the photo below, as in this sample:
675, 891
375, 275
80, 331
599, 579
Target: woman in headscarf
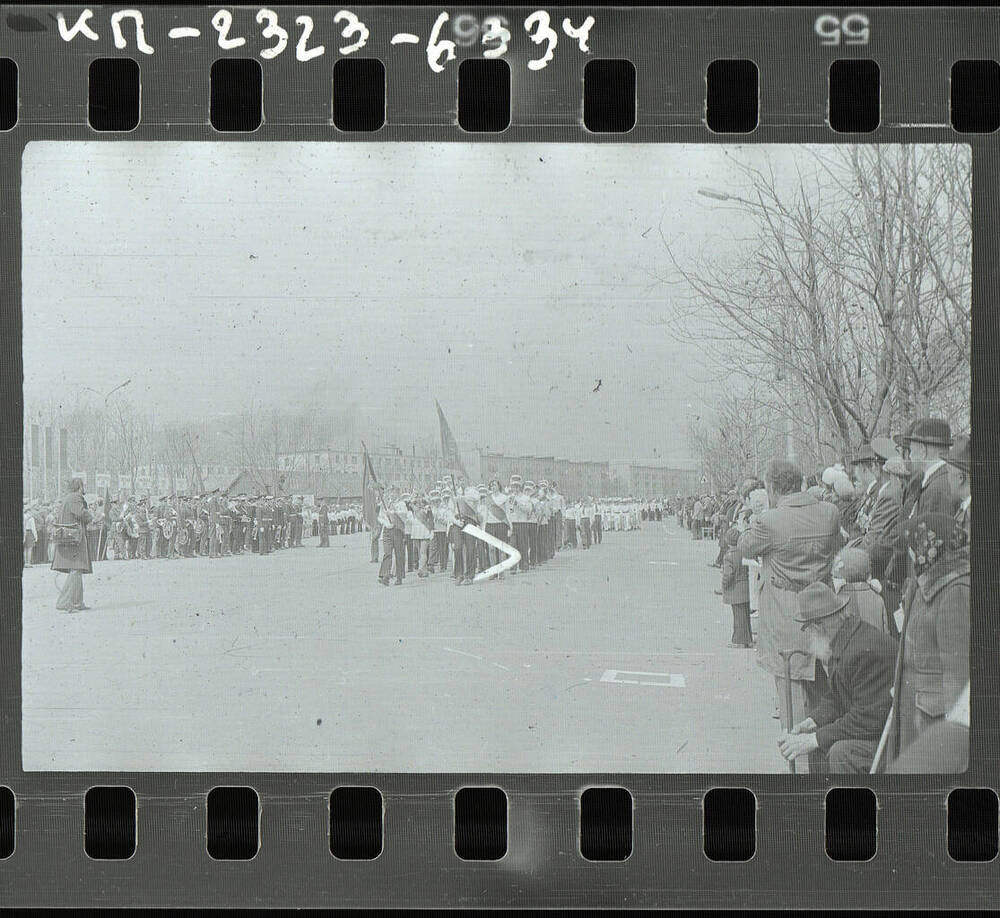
72, 554
933, 664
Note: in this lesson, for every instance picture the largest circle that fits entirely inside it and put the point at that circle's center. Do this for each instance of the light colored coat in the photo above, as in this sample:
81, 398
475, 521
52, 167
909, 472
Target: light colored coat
796, 542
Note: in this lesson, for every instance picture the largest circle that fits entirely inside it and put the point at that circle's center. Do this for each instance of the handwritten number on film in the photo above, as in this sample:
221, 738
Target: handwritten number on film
493, 33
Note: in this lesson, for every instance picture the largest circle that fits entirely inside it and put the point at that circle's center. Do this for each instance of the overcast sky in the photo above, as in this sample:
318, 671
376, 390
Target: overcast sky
504, 280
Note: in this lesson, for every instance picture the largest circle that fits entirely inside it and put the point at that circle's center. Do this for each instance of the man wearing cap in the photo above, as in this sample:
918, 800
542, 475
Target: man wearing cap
544, 513
483, 510
519, 513
266, 535
439, 537
467, 512
959, 461
497, 522
558, 508
842, 730
529, 495
865, 473
393, 533
586, 516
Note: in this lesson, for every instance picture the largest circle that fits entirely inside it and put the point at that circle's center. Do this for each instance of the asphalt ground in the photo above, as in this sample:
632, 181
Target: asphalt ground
611, 659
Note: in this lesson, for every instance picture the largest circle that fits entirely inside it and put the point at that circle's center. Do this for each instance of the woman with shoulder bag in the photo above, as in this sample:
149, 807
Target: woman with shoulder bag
72, 554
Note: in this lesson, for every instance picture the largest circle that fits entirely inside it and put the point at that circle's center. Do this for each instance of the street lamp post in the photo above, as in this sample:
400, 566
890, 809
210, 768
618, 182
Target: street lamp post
106, 397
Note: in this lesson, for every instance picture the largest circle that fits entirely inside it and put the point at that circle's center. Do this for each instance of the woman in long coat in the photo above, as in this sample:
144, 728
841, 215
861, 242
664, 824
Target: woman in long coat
932, 668
73, 560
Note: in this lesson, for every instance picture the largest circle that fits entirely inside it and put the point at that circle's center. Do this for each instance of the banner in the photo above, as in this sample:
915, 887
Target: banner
449, 446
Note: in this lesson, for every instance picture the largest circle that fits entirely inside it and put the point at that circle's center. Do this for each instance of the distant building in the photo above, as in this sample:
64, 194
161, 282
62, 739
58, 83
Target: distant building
392, 465
575, 478
663, 481
335, 488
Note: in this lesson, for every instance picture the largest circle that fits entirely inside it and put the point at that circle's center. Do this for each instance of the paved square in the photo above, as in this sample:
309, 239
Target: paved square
300, 661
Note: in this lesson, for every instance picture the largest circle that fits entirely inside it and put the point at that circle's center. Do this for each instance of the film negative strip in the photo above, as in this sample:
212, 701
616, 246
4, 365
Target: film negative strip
653, 329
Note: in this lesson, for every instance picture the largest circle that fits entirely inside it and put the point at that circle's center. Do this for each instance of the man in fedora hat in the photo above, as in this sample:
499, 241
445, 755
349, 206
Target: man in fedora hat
842, 730
959, 461
924, 447
928, 443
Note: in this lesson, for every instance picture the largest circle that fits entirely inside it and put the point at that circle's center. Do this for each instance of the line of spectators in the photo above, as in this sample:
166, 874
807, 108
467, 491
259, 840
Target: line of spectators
861, 578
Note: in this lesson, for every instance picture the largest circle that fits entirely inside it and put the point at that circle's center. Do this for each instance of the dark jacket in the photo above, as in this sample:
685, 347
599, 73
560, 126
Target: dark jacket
880, 538
735, 578
67, 558
936, 497
859, 675
933, 664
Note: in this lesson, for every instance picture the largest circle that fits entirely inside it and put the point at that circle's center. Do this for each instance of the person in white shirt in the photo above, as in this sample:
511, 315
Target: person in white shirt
558, 503
467, 511
391, 516
519, 513
421, 525
439, 538
30, 535
497, 522
407, 515
544, 511
586, 521
572, 518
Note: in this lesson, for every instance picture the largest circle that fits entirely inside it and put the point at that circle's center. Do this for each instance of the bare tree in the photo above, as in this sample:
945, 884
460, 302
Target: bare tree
853, 293
132, 440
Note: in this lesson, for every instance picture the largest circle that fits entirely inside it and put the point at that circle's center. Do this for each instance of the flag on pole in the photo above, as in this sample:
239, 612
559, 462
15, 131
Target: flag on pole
449, 446
370, 490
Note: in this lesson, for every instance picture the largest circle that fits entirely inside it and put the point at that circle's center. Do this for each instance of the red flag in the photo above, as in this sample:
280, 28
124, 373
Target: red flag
370, 491
449, 447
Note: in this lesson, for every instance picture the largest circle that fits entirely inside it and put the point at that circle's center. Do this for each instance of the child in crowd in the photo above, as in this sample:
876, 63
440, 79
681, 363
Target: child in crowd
852, 575
736, 590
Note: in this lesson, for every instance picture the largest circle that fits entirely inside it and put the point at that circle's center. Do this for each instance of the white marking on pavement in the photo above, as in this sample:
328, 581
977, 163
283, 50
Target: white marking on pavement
674, 680
476, 657
675, 563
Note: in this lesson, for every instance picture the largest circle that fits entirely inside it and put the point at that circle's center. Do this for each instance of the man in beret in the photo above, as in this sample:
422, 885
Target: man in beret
842, 731
878, 516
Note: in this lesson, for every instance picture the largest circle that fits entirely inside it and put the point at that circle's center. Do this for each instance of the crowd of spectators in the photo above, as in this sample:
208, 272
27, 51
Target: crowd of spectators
857, 579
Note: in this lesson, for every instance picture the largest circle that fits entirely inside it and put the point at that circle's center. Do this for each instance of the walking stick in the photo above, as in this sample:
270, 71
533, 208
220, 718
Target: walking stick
786, 656
883, 740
